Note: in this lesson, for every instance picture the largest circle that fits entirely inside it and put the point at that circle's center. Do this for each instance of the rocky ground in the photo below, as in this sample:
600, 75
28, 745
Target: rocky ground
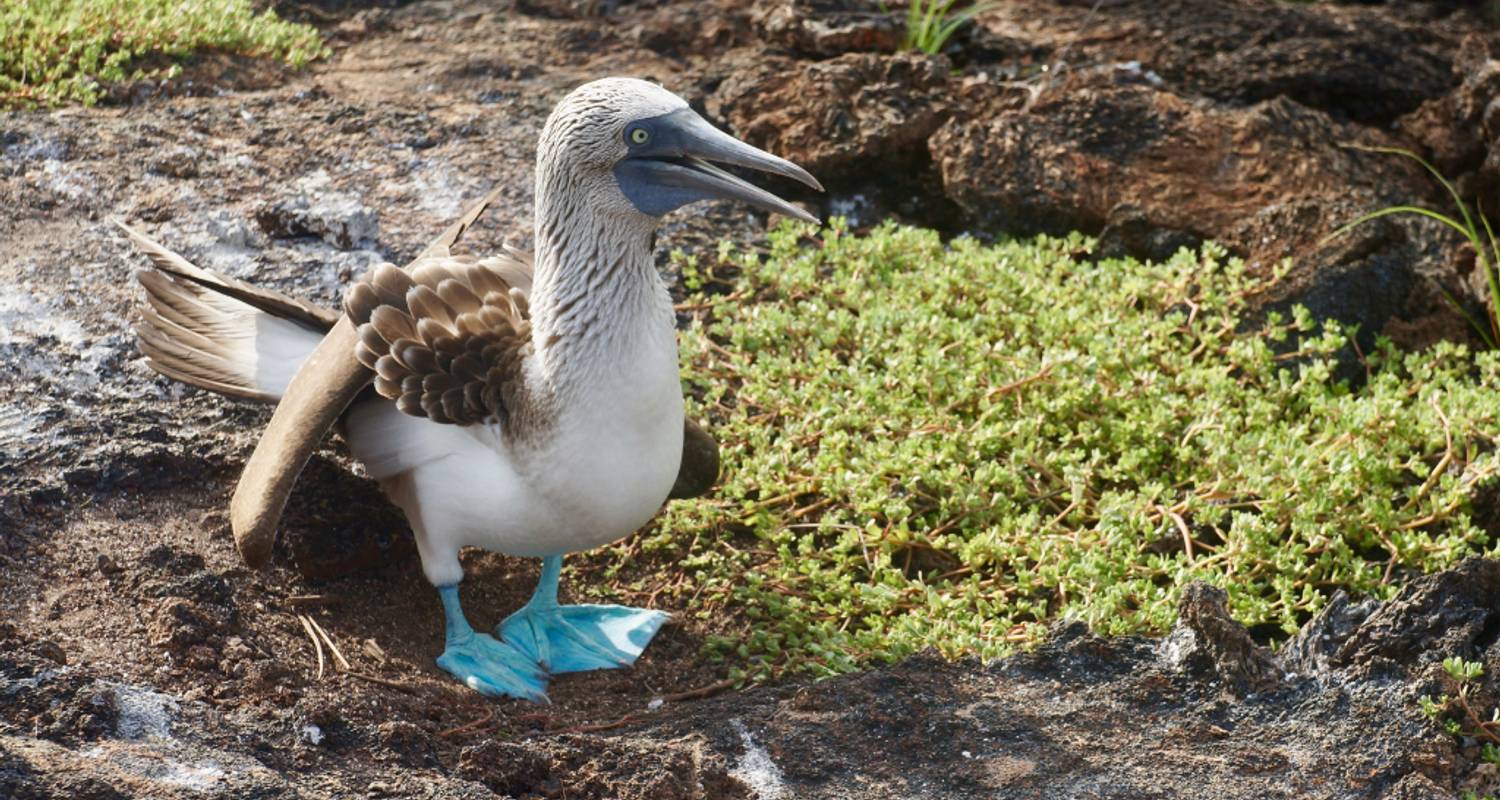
139, 658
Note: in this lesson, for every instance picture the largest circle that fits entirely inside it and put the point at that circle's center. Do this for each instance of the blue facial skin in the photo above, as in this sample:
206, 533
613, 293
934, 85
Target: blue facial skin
646, 177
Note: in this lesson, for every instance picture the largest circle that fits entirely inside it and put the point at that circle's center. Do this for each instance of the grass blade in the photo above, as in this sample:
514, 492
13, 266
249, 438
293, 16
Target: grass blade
1488, 263
1483, 330
1388, 211
1491, 268
1463, 209
931, 23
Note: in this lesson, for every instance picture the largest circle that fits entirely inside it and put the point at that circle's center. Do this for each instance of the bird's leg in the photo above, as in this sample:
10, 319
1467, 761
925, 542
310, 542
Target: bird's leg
579, 637
483, 663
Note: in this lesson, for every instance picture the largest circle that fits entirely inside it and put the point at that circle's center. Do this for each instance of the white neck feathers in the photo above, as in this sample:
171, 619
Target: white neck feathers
597, 298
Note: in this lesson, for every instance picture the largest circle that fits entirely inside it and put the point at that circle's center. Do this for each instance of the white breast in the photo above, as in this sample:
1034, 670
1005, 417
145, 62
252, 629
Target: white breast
617, 448
602, 470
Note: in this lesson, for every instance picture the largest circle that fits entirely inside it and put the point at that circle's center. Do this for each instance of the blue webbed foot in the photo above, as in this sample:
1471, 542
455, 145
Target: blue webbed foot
485, 664
578, 638
582, 637
495, 668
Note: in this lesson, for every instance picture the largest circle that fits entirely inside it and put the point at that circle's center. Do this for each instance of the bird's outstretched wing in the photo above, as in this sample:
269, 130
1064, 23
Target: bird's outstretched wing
447, 339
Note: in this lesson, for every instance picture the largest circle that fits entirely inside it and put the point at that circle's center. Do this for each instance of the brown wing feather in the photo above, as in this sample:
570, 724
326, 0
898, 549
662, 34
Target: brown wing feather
271, 302
447, 339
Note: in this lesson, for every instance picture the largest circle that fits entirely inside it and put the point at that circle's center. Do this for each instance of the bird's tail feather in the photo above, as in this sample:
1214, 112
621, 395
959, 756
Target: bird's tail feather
220, 334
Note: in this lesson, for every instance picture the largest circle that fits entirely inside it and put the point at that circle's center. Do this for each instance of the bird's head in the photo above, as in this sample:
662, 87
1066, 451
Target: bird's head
636, 149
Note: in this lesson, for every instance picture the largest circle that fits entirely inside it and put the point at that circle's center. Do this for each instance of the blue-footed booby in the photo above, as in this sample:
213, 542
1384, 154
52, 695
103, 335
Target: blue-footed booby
527, 404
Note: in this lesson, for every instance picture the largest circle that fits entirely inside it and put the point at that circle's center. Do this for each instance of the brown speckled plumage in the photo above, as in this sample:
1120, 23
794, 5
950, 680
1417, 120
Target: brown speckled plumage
448, 340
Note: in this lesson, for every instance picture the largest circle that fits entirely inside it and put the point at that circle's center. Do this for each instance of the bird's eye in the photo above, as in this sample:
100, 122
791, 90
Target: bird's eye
640, 135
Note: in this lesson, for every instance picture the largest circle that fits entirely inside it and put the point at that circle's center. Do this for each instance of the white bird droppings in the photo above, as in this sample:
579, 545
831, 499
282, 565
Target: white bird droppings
756, 769
194, 777
143, 712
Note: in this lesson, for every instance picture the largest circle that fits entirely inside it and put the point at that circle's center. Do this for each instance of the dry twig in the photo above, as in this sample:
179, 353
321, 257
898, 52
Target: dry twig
468, 726
317, 645
343, 663
700, 692
314, 600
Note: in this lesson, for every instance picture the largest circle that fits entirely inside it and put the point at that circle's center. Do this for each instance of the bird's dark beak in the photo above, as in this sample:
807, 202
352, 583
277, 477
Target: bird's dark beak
677, 165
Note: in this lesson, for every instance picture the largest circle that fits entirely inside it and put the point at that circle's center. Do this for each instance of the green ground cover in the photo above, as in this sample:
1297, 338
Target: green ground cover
952, 445
54, 52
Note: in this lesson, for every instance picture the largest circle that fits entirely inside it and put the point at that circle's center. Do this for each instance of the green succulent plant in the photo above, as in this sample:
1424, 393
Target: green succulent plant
951, 445
56, 52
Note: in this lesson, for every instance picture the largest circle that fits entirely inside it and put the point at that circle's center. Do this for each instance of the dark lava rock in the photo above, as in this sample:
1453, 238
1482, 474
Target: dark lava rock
338, 523
321, 723
1155, 140
1090, 716
1461, 130
1366, 277
569, 9
337, 218
201, 587
171, 560
1311, 651
52, 651
15, 778
1073, 158
55, 704
92, 738
1417, 787
1130, 231
176, 162
507, 768
1451, 613
689, 29
1246, 52
841, 118
1209, 641
266, 674
826, 28
1355, 63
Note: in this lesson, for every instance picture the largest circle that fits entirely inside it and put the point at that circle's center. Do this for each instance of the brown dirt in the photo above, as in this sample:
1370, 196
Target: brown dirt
139, 658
